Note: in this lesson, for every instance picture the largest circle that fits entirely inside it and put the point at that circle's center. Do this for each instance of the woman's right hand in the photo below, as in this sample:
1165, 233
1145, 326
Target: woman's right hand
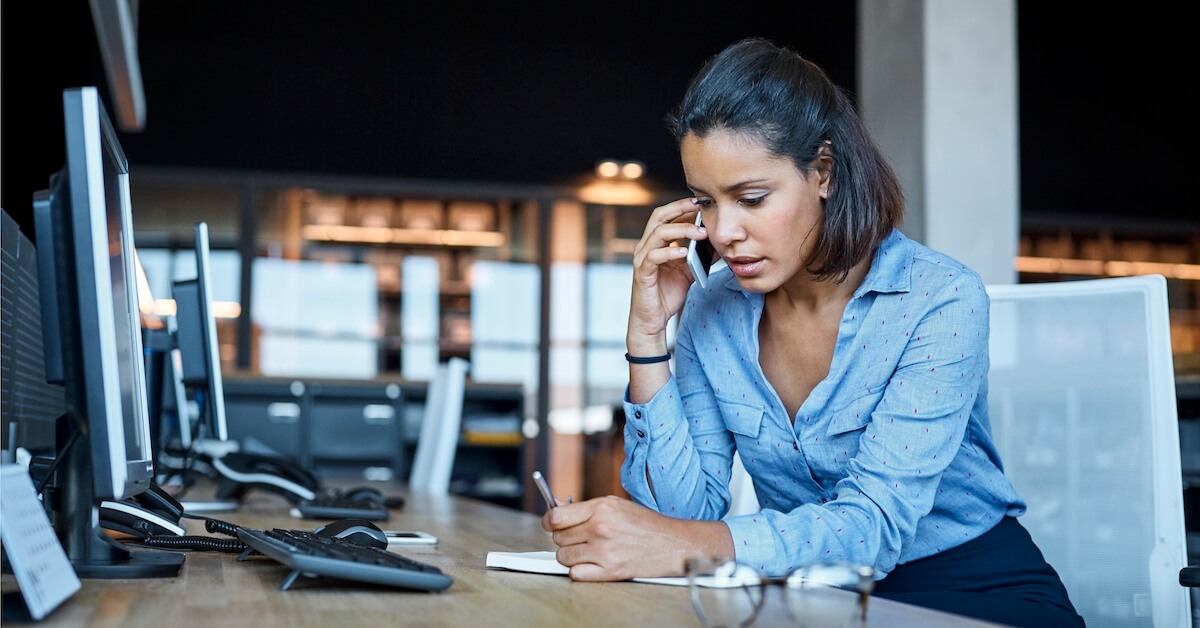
612, 538
661, 277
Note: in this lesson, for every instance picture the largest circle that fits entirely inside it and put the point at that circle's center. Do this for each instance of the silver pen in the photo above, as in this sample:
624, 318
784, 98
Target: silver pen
544, 488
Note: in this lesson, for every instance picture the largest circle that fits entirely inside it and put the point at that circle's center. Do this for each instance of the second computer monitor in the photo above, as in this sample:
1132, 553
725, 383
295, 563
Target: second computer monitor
197, 339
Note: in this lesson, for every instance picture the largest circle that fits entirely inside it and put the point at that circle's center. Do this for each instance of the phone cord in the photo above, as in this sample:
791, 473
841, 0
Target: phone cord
203, 543
216, 525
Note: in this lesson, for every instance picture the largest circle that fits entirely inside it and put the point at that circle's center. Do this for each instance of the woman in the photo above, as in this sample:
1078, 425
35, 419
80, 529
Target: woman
846, 364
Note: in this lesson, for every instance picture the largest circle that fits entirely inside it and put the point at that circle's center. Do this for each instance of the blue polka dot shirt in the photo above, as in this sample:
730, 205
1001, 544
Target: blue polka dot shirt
889, 459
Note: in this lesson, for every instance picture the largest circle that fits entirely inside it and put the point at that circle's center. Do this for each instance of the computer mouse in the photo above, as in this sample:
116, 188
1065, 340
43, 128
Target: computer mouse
359, 531
367, 493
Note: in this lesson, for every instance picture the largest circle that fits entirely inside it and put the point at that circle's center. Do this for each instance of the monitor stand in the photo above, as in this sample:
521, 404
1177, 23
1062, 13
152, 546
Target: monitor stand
212, 448
215, 448
205, 504
94, 554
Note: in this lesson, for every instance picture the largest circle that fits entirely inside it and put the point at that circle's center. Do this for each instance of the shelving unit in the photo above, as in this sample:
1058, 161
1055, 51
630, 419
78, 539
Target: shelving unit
386, 231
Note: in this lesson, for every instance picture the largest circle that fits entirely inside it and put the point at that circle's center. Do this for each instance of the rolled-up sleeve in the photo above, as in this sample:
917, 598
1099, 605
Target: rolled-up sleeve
678, 452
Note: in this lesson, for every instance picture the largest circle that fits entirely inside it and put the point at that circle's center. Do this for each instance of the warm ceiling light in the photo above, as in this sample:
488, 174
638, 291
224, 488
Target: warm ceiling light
632, 170
616, 192
608, 169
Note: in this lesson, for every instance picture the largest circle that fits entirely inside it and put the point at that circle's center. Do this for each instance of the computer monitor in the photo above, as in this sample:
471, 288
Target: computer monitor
156, 343
237, 470
196, 362
179, 399
171, 426
92, 342
197, 339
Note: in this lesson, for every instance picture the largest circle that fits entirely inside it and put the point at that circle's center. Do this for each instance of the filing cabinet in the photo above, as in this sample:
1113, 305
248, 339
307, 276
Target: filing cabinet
355, 426
368, 429
269, 413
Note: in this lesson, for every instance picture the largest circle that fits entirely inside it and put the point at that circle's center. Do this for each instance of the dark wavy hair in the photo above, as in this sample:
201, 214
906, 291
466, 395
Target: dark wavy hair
771, 93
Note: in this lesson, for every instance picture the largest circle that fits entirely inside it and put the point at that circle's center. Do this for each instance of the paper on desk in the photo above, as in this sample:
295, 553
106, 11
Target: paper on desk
545, 562
532, 562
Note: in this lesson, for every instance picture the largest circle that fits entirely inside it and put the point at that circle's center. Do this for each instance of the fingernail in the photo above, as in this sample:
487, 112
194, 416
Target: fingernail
703, 230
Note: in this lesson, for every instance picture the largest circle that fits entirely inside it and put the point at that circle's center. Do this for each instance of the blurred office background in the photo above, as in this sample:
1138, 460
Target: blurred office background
392, 184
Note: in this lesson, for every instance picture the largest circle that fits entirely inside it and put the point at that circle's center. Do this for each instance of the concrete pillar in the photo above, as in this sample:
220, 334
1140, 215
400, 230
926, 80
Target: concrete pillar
938, 91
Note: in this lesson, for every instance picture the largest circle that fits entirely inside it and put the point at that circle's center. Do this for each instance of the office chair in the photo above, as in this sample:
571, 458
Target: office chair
1083, 410
438, 440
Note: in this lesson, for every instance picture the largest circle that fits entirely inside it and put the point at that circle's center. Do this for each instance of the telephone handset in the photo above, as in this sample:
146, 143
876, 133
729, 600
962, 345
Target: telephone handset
153, 512
284, 467
157, 499
700, 257
240, 471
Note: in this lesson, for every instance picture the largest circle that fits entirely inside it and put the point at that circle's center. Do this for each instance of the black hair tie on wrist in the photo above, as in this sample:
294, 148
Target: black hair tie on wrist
650, 360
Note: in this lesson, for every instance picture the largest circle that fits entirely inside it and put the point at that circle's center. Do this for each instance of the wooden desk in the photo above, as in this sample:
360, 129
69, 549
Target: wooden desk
214, 589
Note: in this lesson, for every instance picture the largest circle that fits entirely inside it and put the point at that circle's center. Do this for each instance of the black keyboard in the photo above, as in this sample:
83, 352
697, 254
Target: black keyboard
339, 506
309, 554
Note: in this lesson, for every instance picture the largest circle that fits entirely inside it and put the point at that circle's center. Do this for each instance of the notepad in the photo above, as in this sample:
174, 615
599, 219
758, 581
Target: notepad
532, 562
544, 562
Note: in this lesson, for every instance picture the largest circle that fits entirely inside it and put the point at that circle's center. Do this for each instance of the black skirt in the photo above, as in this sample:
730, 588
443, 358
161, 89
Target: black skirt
1000, 576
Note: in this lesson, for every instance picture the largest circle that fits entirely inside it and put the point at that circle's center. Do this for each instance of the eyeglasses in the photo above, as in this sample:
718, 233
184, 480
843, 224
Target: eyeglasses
727, 593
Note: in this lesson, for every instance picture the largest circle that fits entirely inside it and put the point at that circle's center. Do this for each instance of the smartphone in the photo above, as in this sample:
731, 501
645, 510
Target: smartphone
700, 257
410, 537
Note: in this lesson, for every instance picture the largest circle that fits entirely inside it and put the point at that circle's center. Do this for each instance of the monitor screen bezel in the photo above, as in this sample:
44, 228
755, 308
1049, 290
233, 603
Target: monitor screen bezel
215, 402
196, 334
91, 144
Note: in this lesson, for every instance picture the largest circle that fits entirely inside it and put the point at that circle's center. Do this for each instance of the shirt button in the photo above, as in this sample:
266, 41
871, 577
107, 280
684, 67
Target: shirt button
795, 445
637, 414
641, 434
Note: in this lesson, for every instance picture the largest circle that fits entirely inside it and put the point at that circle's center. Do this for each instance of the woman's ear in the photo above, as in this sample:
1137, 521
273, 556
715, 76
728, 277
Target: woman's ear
823, 167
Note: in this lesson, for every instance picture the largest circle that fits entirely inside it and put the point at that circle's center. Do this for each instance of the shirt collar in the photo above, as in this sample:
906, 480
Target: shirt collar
891, 269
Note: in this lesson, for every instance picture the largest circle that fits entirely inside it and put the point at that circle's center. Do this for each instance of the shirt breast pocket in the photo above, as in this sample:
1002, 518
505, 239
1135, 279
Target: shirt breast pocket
854, 414
741, 417
829, 451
